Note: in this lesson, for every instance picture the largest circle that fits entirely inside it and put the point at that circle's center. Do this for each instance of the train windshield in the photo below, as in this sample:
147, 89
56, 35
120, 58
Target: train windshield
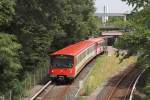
62, 61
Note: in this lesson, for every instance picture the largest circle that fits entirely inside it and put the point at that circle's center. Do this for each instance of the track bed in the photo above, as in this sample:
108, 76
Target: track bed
119, 87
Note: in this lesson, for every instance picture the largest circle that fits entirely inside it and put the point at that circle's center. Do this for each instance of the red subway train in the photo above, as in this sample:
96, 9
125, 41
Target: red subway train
69, 61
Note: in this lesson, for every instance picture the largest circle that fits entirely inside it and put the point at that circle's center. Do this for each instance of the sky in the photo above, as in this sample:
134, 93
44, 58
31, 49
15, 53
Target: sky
114, 6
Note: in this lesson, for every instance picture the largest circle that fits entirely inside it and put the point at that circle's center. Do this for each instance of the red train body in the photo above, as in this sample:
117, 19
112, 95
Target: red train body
69, 61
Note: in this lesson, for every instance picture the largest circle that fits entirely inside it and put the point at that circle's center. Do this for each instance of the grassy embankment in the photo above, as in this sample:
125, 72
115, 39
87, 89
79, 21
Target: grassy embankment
105, 67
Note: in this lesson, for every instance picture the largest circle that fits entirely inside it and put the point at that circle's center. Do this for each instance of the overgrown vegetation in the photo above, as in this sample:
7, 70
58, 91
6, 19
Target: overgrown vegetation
31, 29
104, 68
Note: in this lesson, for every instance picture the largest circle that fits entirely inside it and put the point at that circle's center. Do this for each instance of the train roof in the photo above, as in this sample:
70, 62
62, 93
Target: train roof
76, 48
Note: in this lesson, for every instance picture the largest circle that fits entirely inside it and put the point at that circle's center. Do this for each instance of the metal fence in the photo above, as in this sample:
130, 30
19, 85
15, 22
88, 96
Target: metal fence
34, 78
30, 81
7, 96
1, 97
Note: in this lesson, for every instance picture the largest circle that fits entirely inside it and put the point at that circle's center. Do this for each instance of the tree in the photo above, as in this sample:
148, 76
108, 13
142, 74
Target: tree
31, 26
6, 11
9, 61
138, 39
76, 21
10, 48
137, 3
143, 17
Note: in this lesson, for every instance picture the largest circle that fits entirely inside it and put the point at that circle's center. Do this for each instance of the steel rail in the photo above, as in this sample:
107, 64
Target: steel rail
41, 90
112, 92
124, 76
136, 81
132, 83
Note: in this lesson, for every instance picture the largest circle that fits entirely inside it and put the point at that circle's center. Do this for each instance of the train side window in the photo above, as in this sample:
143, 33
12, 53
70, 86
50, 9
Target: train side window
83, 55
91, 49
94, 47
88, 51
78, 59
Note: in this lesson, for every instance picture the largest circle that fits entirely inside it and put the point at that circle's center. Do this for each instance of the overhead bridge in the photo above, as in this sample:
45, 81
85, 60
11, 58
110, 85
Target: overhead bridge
111, 14
103, 15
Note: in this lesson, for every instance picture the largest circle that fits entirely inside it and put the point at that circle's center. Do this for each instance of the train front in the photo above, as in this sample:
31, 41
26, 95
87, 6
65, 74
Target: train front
62, 67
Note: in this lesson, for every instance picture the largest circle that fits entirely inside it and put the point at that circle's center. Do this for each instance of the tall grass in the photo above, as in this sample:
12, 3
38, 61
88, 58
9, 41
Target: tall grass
105, 67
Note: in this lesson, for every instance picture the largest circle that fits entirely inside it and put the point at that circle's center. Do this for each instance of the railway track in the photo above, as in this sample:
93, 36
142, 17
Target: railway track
128, 81
43, 89
52, 91
120, 86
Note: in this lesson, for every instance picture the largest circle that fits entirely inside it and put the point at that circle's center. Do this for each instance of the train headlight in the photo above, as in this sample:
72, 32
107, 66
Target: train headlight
52, 71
